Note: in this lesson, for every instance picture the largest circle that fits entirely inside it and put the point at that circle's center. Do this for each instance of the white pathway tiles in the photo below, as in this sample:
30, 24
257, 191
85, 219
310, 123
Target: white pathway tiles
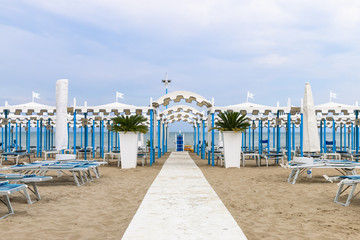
181, 204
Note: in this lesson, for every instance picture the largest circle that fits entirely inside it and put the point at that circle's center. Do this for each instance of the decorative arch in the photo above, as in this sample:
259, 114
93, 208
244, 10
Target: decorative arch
176, 96
182, 115
182, 108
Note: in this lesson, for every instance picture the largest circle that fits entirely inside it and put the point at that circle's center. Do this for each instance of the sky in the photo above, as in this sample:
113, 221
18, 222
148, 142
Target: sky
216, 48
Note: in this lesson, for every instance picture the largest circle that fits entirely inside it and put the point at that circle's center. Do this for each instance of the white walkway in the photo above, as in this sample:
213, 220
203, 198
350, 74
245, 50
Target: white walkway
181, 204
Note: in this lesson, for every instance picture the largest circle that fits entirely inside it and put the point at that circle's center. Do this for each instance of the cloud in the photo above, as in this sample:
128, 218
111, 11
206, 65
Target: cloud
271, 60
219, 49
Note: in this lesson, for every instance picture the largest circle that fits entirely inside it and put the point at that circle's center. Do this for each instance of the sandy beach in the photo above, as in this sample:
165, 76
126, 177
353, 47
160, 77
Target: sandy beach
267, 207
261, 201
101, 209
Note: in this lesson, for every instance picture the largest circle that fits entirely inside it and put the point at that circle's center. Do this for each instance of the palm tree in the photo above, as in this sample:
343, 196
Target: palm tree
133, 123
231, 121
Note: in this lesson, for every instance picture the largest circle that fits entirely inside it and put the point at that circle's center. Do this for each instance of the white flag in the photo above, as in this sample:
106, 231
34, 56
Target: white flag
332, 95
119, 95
35, 95
249, 95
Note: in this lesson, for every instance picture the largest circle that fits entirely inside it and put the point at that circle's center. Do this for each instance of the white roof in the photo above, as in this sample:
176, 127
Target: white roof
29, 108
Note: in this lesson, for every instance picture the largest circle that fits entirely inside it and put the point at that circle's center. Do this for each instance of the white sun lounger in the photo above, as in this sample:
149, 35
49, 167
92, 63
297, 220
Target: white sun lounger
301, 164
6, 189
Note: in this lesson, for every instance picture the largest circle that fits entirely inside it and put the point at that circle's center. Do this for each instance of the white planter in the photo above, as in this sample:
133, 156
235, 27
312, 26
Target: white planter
128, 149
232, 148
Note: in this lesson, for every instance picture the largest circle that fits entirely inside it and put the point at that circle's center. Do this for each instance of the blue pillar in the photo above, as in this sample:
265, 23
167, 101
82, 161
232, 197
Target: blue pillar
108, 135
325, 136
249, 137
260, 137
68, 130
198, 139
357, 133
344, 137
289, 137
195, 139
102, 139
93, 138
163, 138
293, 136
301, 134
151, 136
74, 133
37, 139
352, 136
277, 134
341, 140
6, 130
253, 136
212, 139
159, 140
166, 138
112, 139
268, 137
321, 136
203, 141
16, 136
81, 136
334, 135
28, 136
86, 136
274, 141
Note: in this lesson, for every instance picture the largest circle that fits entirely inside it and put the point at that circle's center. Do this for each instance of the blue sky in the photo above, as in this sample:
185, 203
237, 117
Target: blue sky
216, 48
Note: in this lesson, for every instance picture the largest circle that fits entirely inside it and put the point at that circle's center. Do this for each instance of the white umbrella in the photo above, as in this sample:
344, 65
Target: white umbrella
61, 135
311, 140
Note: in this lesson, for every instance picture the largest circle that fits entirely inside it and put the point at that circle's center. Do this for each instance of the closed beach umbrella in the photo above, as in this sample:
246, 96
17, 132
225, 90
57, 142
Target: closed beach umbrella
311, 138
61, 135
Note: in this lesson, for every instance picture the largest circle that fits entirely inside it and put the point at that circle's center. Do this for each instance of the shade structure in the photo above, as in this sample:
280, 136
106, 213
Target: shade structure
311, 140
61, 135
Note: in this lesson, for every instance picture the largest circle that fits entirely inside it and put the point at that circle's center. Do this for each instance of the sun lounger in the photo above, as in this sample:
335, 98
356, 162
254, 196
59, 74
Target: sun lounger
15, 155
252, 156
350, 182
79, 170
6, 189
112, 154
300, 165
50, 152
29, 179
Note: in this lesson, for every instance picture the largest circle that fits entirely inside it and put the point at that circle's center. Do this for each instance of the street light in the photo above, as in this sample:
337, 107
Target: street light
166, 83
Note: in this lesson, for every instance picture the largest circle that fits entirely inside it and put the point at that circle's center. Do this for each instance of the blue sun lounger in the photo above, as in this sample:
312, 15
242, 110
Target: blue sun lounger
7, 189
28, 179
15, 155
80, 170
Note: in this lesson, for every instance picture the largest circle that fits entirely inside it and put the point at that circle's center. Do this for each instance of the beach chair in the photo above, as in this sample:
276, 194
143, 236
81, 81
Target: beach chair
28, 179
300, 165
350, 182
6, 189
251, 156
16, 154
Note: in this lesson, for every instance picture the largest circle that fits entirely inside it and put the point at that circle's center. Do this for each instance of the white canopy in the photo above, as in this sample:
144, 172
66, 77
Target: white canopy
61, 134
311, 136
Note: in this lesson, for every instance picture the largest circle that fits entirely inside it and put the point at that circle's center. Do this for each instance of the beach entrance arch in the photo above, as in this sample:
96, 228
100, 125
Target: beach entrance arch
159, 120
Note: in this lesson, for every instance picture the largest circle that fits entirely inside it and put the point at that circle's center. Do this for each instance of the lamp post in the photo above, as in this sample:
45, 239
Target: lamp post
166, 83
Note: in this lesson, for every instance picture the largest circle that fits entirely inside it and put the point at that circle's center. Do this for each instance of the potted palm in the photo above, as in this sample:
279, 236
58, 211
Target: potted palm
128, 128
231, 125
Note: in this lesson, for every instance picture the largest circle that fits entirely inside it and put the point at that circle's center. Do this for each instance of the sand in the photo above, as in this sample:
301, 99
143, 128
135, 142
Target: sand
98, 210
260, 199
267, 207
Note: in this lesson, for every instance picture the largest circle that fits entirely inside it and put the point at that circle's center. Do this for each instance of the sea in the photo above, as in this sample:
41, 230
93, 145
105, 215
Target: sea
188, 139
